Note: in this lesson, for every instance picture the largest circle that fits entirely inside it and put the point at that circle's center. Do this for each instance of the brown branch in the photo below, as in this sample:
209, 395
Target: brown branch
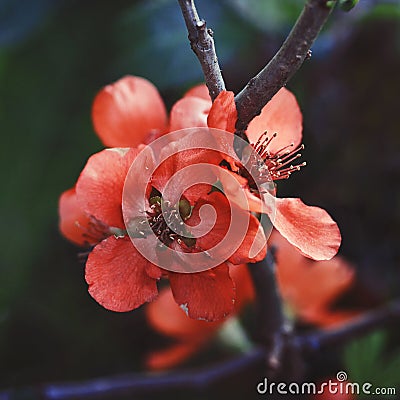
271, 327
202, 43
261, 88
134, 384
359, 326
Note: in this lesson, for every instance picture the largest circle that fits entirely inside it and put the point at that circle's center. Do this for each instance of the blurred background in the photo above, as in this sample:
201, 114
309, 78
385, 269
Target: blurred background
54, 57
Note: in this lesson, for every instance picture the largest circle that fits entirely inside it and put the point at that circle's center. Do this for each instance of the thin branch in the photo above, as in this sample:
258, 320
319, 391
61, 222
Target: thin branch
269, 313
284, 64
202, 43
359, 326
140, 384
133, 384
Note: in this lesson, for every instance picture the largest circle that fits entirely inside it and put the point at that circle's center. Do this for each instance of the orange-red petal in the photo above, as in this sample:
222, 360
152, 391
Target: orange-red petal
116, 275
281, 115
207, 295
74, 222
223, 113
100, 185
176, 160
172, 356
200, 91
189, 112
165, 316
254, 246
228, 225
310, 287
243, 284
125, 112
310, 229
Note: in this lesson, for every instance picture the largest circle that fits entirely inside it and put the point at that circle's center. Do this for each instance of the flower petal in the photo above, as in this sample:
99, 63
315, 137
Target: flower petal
254, 245
207, 295
189, 112
116, 275
244, 286
194, 177
125, 112
237, 190
100, 185
75, 224
281, 115
225, 238
309, 282
172, 356
310, 229
311, 287
165, 316
199, 91
223, 113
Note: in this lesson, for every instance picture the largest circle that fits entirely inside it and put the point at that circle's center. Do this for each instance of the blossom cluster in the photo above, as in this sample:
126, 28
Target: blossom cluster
128, 116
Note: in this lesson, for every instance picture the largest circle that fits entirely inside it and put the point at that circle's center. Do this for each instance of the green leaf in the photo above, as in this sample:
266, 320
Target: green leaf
366, 361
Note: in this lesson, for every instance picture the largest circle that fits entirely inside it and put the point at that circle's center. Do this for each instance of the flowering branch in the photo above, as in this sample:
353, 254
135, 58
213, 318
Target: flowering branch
296, 48
202, 43
131, 384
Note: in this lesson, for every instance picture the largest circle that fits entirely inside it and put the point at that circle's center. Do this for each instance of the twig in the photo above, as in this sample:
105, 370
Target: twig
202, 43
135, 384
261, 88
359, 326
131, 384
269, 312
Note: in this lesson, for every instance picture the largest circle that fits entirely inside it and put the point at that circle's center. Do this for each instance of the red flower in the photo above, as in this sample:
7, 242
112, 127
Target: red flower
310, 288
189, 335
310, 229
131, 112
119, 277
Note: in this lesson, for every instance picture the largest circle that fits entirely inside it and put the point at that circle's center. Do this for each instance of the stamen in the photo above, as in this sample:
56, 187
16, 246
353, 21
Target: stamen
260, 139
277, 162
166, 221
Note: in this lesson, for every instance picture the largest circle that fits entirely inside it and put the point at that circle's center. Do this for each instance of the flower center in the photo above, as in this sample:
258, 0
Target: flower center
166, 221
279, 163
